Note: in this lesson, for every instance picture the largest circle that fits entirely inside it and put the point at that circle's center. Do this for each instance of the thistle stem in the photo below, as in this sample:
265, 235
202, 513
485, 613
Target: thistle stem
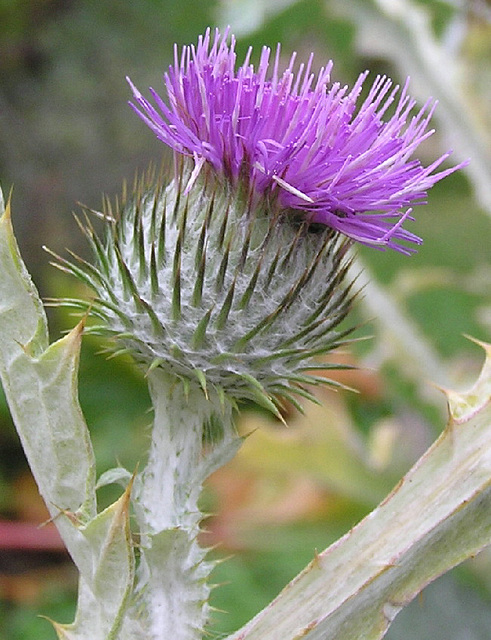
187, 445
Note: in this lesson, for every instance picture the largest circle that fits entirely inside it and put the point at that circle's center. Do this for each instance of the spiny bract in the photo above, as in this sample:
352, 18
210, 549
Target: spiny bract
235, 298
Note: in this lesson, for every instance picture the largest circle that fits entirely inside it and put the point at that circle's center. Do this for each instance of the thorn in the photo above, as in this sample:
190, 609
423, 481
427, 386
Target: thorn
154, 275
7, 210
271, 270
176, 294
161, 246
59, 628
244, 301
154, 365
484, 345
70, 515
200, 277
223, 268
202, 380
316, 562
199, 336
222, 318
260, 395
223, 228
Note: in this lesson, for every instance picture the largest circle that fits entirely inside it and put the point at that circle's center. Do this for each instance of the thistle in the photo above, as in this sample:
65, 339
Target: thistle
227, 280
232, 275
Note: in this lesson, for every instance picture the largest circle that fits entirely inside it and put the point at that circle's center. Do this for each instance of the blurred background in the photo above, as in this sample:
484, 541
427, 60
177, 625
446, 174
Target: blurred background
67, 136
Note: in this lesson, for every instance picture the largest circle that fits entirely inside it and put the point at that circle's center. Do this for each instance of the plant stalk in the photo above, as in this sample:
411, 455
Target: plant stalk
192, 435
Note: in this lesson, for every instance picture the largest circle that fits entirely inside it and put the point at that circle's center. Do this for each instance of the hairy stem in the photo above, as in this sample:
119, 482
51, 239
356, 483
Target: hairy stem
192, 435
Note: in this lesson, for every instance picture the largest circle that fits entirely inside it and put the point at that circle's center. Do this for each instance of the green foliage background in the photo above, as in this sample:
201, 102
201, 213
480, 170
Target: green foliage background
67, 135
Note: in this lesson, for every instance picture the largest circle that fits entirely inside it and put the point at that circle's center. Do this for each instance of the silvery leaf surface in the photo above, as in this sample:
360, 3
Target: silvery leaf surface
437, 516
106, 581
40, 383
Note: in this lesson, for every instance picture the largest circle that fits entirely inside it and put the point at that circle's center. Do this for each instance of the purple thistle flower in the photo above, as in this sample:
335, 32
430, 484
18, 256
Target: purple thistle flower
297, 139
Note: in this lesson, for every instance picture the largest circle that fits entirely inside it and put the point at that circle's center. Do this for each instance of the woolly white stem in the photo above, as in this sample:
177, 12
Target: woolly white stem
184, 451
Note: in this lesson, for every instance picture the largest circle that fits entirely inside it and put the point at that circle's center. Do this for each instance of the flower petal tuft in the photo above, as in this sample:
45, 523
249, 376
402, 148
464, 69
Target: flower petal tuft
298, 139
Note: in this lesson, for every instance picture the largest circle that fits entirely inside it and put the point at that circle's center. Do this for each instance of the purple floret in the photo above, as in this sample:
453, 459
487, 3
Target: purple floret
299, 139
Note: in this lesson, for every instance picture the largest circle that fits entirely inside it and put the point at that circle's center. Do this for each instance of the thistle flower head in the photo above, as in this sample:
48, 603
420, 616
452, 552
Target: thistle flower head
218, 293
231, 275
314, 147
